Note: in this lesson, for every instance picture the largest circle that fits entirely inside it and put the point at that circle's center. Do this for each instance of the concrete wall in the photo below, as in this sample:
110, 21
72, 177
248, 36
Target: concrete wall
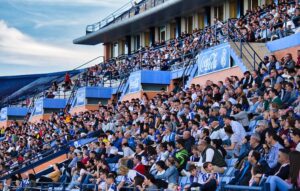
218, 76
38, 118
90, 107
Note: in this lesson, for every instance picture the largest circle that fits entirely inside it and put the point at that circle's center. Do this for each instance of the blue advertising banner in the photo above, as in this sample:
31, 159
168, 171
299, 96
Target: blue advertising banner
135, 82
214, 60
38, 108
3, 114
80, 97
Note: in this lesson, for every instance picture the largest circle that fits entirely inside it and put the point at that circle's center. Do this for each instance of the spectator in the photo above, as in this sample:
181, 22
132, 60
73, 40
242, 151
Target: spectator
210, 154
272, 143
293, 180
284, 167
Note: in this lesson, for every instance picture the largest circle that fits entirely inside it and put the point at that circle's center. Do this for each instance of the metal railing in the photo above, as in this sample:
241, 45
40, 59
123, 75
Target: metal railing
41, 157
243, 46
127, 11
225, 187
49, 186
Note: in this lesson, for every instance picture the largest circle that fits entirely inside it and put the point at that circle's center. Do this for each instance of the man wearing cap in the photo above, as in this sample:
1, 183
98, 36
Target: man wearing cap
254, 104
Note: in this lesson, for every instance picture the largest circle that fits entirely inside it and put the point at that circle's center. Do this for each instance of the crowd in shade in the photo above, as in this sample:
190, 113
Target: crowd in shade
258, 25
150, 144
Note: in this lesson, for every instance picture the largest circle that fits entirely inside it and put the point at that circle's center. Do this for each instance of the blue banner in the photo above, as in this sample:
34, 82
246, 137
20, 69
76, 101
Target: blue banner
214, 60
38, 108
135, 82
3, 114
80, 97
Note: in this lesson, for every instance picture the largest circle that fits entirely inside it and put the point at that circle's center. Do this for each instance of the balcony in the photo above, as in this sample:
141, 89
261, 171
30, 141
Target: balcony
127, 11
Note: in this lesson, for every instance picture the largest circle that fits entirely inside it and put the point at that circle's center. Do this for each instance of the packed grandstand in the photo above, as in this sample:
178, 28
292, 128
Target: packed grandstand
240, 133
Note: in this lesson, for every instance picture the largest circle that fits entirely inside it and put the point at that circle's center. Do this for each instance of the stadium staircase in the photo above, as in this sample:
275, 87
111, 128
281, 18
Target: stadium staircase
246, 55
72, 96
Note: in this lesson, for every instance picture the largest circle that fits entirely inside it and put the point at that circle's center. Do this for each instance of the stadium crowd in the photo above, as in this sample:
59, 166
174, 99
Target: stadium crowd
150, 143
258, 25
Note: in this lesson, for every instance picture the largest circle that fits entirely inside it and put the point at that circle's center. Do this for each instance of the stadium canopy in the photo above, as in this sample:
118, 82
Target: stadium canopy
18, 88
141, 22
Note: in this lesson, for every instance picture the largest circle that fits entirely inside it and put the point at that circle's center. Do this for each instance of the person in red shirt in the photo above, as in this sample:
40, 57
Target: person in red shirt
138, 166
85, 158
68, 81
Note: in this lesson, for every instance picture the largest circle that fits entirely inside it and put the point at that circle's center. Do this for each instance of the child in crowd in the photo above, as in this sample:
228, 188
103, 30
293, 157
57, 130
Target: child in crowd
110, 183
204, 181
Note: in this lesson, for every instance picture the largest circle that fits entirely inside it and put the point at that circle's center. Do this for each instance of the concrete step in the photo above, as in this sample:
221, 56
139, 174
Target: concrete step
261, 49
246, 57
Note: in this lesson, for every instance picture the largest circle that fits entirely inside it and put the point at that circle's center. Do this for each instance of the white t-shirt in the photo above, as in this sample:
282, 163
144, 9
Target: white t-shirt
127, 152
238, 133
298, 147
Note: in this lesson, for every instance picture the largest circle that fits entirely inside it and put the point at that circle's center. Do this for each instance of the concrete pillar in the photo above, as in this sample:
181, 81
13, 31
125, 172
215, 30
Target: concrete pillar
246, 6
168, 31
212, 13
107, 53
157, 33
201, 20
142, 37
132, 47
226, 9
261, 2
121, 45
183, 24
196, 21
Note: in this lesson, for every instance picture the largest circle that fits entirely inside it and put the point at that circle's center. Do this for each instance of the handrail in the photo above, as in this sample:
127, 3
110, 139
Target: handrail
48, 154
46, 186
244, 40
33, 165
72, 96
123, 13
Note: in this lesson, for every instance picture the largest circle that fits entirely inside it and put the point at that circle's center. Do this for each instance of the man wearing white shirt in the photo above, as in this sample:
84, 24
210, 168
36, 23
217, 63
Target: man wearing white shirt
236, 126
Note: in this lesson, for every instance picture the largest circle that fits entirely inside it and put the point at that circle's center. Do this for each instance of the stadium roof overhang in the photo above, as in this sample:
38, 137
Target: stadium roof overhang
150, 18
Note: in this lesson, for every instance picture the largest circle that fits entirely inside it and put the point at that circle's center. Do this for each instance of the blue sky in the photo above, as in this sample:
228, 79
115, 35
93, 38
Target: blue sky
36, 35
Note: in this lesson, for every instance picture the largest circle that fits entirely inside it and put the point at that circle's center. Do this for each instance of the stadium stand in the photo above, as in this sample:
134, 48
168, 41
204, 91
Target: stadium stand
242, 133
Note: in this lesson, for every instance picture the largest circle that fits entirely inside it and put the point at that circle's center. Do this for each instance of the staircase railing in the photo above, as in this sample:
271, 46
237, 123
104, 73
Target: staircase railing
30, 108
122, 83
186, 70
243, 46
72, 96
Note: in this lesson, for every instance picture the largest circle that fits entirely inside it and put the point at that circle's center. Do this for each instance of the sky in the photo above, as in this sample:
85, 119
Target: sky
36, 36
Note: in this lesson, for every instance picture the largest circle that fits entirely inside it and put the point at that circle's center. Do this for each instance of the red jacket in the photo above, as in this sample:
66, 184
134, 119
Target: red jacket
140, 168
